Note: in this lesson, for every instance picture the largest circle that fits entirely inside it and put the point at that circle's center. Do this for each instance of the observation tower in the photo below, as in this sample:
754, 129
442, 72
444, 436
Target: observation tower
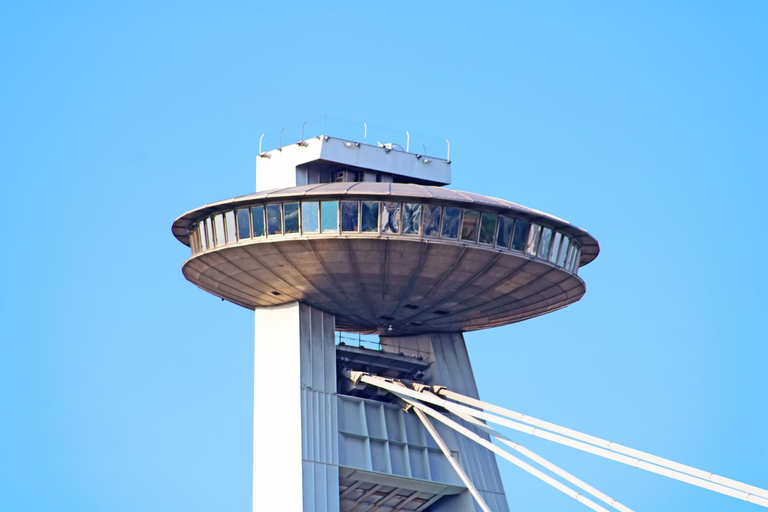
347, 233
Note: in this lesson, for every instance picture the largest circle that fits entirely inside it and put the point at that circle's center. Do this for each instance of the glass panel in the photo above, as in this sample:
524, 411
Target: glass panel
431, 225
411, 218
488, 227
291, 217
576, 260
520, 234
469, 226
451, 219
505, 232
243, 224
310, 221
546, 242
533, 239
230, 219
563, 251
218, 227
209, 232
274, 219
390, 217
329, 217
201, 236
349, 215
370, 216
555, 247
257, 215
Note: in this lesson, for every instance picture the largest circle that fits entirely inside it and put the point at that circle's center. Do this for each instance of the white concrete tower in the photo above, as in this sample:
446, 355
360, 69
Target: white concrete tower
346, 236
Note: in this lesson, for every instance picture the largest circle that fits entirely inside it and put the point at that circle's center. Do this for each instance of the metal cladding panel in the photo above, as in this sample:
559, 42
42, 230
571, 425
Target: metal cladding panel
369, 284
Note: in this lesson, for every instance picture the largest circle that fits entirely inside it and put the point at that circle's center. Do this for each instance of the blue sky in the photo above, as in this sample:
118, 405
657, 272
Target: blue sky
123, 387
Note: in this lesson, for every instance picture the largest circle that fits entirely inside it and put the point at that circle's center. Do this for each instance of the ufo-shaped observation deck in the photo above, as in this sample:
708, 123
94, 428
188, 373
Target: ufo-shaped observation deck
387, 258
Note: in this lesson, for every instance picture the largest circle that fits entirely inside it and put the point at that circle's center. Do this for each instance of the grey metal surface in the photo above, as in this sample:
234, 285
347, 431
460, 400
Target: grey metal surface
412, 285
393, 191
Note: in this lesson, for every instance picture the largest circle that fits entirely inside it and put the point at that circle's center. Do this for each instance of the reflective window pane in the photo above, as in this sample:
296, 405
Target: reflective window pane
291, 211
546, 242
431, 224
563, 251
274, 219
349, 215
218, 226
209, 232
533, 239
411, 218
329, 216
520, 234
310, 219
469, 226
257, 216
370, 215
390, 217
488, 227
555, 247
243, 224
505, 232
451, 218
576, 260
229, 217
201, 236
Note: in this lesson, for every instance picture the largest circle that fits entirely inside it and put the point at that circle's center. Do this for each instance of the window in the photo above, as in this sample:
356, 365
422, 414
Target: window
411, 218
533, 239
257, 215
555, 247
229, 217
291, 217
576, 260
218, 227
505, 232
451, 223
390, 217
310, 220
329, 216
469, 226
488, 227
274, 219
370, 216
546, 242
201, 236
431, 224
520, 234
350, 211
563, 251
209, 231
243, 224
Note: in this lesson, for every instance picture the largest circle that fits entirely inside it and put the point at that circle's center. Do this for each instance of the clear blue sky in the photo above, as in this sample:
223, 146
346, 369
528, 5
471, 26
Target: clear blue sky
124, 388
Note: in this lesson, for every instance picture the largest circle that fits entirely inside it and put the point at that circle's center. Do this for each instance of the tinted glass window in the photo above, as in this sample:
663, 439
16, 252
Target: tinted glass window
555, 247
310, 219
411, 218
291, 211
349, 215
329, 216
488, 227
218, 228
201, 236
469, 226
229, 217
520, 234
243, 224
451, 218
505, 232
546, 241
533, 239
257, 215
274, 219
431, 225
576, 260
370, 216
390, 217
563, 251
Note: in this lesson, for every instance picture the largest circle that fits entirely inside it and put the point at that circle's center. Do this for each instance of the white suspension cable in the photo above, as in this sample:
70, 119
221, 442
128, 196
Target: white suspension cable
659, 461
547, 464
458, 408
448, 455
511, 458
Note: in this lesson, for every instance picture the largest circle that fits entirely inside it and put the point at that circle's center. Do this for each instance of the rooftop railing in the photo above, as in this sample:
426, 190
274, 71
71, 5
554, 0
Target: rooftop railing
357, 131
